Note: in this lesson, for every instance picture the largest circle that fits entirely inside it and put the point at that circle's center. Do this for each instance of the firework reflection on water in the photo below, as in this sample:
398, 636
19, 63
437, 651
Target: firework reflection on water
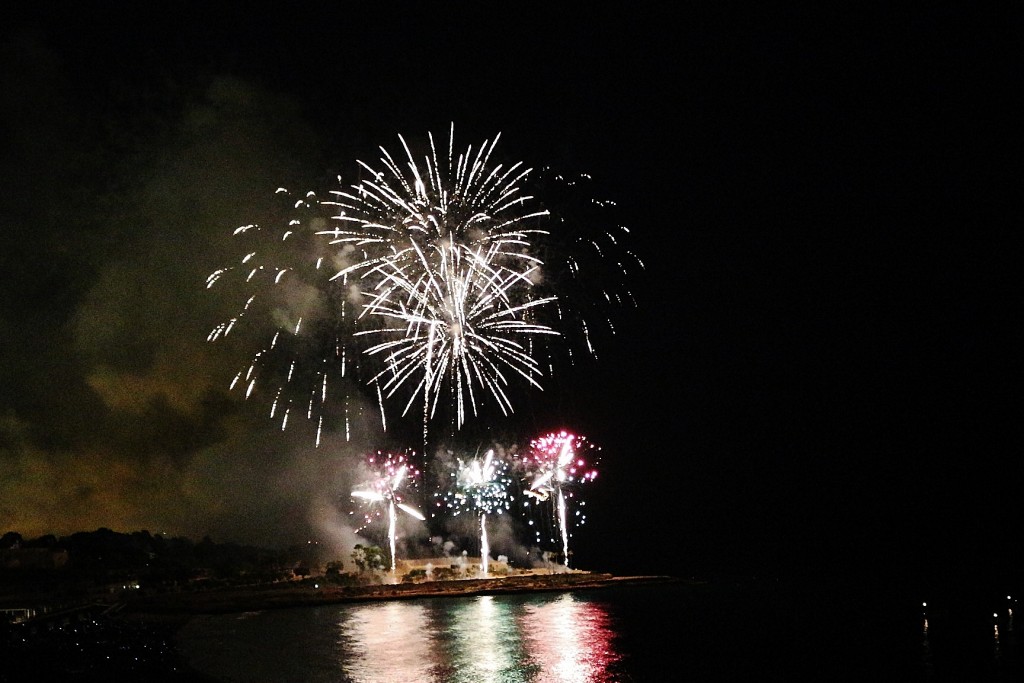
554, 638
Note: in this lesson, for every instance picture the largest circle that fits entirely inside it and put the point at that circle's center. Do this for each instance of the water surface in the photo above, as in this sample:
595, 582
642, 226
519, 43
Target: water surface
759, 631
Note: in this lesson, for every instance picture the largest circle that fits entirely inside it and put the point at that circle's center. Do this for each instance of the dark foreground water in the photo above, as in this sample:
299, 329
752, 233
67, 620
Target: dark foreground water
756, 631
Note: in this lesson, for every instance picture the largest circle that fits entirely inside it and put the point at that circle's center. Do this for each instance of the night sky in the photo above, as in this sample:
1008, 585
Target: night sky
821, 370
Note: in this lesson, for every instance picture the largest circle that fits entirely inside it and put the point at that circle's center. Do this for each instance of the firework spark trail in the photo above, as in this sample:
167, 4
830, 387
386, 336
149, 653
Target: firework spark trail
562, 525
553, 465
457, 321
482, 486
285, 279
587, 259
465, 199
485, 548
391, 471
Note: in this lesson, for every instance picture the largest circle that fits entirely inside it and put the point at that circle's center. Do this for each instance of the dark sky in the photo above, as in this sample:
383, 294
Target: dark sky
821, 369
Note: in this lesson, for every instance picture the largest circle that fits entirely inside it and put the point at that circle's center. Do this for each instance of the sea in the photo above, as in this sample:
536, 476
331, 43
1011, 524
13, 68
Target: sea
722, 630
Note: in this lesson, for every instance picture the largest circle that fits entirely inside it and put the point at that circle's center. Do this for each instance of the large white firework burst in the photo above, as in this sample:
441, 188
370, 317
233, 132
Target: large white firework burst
453, 320
440, 276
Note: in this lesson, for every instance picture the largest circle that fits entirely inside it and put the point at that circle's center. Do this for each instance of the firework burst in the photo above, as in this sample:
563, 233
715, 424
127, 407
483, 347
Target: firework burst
587, 259
444, 248
300, 322
454, 322
480, 485
461, 197
384, 493
440, 279
556, 464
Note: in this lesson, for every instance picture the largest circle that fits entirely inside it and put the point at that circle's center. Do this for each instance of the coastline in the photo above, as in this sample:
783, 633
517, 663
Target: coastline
166, 606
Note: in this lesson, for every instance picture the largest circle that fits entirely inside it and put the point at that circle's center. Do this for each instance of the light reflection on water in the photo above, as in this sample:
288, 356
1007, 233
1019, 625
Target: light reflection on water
555, 639
481, 641
571, 639
379, 639
550, 638
722, 632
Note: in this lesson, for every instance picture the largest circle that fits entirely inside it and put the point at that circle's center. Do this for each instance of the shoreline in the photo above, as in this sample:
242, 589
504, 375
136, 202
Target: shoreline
228, 600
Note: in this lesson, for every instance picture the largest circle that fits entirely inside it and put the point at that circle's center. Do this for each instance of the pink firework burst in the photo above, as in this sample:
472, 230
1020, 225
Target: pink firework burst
552, 468
392, 474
